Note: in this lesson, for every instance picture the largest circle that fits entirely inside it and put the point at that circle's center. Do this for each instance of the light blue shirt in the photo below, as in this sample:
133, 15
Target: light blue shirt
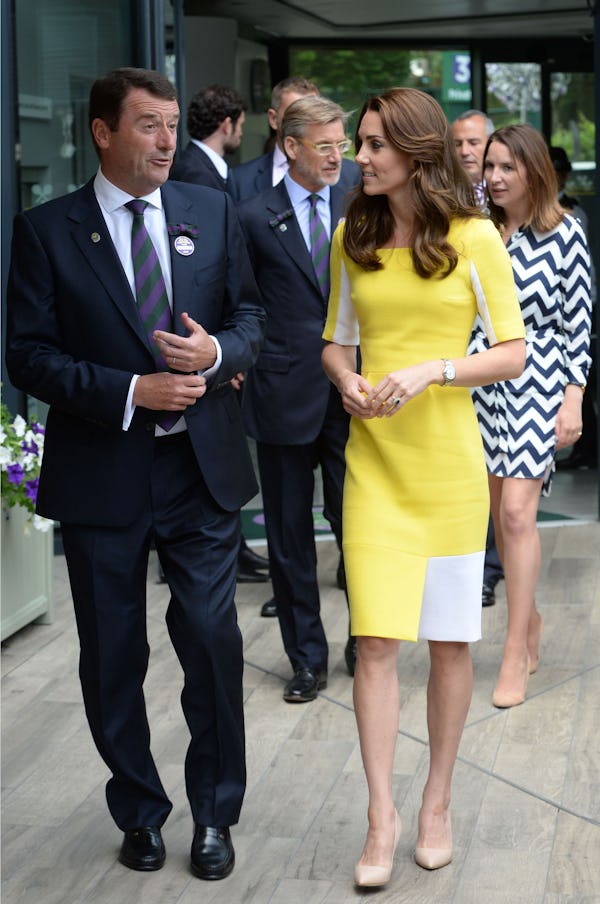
299, 197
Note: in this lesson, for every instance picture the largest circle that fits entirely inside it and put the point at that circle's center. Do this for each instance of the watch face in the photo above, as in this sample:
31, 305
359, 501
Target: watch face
449, 372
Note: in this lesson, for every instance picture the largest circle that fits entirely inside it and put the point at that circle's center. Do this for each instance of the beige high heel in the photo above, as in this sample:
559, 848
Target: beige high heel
371, 876
433, 858
504, 699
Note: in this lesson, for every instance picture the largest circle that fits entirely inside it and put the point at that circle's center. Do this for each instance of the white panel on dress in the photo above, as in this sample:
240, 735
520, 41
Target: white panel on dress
451, 607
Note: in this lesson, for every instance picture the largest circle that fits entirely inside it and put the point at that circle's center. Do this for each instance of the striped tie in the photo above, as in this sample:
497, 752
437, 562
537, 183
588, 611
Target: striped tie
151, 292
319, 246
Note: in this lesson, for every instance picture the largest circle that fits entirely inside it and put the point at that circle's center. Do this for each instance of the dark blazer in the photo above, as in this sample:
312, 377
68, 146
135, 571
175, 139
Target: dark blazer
75, 339
287, 391
193, 165
251, 178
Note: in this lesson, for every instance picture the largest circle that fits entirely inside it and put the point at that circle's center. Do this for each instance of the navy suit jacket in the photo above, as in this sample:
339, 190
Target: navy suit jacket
251, 178
193, 165
75, 339
286, 393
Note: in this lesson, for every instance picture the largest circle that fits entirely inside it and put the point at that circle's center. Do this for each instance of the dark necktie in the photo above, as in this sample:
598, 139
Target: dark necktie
319, 246
151, 292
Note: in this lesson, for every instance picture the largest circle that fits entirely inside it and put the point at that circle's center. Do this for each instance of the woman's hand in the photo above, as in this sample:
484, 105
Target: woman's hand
569, 422
353, 389
399, 387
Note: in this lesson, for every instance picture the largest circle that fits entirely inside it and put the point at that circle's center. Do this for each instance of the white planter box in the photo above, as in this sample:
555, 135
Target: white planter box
26, 577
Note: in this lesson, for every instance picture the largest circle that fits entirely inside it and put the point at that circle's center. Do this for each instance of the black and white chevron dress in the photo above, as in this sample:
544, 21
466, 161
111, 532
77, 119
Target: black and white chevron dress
516, 417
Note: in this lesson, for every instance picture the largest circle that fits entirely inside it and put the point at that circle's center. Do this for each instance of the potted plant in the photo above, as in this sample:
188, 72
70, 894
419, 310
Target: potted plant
26, 539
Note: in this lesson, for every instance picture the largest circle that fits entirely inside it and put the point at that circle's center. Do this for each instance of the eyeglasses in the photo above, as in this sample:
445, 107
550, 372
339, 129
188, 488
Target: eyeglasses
324, 150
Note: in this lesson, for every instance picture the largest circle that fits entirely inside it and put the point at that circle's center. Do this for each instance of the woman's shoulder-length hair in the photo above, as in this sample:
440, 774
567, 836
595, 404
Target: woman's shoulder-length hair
528, 147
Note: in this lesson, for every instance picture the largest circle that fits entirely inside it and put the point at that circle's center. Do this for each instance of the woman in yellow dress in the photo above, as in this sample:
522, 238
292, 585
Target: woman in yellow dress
411, 266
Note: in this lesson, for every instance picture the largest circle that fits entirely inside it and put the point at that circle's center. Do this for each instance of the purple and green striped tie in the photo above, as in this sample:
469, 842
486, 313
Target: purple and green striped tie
151, 292
319, 246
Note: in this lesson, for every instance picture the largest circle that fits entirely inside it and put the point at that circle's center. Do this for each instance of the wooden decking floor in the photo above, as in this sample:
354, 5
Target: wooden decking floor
526, 801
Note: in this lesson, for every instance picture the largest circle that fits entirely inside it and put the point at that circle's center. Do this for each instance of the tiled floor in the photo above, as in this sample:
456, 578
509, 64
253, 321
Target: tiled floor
526, 803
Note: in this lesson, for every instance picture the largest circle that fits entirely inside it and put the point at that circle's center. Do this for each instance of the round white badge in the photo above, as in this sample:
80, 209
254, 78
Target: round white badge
184, 245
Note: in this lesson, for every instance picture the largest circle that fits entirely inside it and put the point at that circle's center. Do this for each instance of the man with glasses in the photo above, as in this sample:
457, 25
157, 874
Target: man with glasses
254, 176
290, 408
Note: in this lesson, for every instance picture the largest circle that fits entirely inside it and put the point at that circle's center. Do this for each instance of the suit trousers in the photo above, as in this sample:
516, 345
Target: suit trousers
197, 542
287, 481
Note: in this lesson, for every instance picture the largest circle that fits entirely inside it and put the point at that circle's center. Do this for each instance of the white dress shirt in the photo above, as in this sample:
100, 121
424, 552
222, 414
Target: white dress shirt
280, 165
118, 221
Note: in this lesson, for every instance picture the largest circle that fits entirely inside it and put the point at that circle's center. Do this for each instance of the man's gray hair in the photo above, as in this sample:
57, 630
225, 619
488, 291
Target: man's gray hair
489, 125
307, 111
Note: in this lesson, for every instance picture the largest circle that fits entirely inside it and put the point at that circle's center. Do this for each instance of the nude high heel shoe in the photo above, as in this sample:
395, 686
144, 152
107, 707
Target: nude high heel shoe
371, 876
433, 858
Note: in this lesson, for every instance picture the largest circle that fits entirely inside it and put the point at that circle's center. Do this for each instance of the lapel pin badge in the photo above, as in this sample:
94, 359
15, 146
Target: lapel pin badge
95, 237
184, 245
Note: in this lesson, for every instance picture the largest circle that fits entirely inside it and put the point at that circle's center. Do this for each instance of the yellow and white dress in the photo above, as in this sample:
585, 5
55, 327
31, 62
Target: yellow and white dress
416, 497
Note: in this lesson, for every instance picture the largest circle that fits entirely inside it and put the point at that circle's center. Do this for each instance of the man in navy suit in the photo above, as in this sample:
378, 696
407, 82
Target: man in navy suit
215, 121
254, 176
291, 409
144, 442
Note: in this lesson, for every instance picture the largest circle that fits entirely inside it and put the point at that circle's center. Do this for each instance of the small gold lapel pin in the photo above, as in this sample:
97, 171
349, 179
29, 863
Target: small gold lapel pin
95, 237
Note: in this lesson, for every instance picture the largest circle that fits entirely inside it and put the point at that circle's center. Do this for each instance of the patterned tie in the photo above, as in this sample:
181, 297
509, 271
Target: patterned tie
151, 292
319, 246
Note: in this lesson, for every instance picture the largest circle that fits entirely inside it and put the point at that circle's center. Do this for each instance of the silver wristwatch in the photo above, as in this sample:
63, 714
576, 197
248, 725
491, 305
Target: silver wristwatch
449, 372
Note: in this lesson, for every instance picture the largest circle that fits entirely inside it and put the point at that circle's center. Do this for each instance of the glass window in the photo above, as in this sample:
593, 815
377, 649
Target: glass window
514, 93
62, 46
349, 76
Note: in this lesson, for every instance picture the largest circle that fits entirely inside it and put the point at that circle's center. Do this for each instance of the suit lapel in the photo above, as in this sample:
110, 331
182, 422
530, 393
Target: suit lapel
93, 239
287, 232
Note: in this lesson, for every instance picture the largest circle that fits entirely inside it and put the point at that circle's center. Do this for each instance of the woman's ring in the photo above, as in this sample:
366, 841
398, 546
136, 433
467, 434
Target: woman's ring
395, 400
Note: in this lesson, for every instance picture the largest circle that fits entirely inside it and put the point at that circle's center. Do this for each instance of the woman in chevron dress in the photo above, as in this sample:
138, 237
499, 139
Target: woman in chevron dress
411, 266
524, 421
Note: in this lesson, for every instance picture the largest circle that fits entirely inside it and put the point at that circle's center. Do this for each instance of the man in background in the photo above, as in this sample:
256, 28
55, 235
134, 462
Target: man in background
215, 120
255, 176
290, 407
470, 132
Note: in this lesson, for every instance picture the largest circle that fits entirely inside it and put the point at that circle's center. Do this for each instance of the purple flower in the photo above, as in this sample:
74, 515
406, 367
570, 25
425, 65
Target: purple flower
183, 229
31, 488
31, 447
38, 428
15, 474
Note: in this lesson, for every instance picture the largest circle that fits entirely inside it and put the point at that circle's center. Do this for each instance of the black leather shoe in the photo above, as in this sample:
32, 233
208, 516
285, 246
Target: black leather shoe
269, 609
304, 686
350, 655
143, 849
488, 595
251, 561
212, 855
250, 576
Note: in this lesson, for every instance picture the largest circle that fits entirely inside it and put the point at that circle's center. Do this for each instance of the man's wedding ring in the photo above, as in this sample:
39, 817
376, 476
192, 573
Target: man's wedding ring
173, 359
395, 400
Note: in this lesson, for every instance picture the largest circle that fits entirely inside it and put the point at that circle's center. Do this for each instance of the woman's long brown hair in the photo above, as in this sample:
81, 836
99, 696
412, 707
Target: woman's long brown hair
414, 123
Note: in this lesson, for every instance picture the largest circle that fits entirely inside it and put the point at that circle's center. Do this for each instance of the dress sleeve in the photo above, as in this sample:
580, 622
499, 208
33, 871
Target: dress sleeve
494, 285
577, 303
341, 325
